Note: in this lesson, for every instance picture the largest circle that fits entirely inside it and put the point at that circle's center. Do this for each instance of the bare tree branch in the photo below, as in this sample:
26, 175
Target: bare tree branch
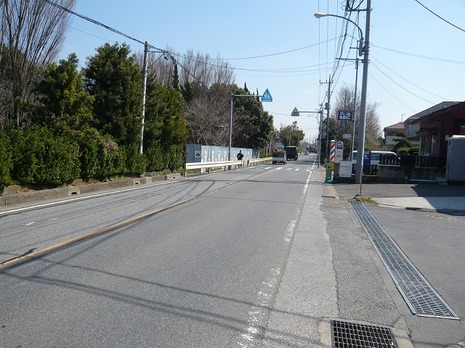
32, 32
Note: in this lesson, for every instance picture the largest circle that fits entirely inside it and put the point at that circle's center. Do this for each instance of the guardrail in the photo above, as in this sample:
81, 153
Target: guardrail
224, 164
254, 162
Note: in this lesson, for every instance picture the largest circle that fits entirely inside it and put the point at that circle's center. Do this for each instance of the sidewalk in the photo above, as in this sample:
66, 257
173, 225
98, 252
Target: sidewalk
329, 276
428, 197
432, 242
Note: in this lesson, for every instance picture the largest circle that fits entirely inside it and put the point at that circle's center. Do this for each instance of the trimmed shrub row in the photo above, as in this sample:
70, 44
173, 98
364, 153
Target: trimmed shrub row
40, 156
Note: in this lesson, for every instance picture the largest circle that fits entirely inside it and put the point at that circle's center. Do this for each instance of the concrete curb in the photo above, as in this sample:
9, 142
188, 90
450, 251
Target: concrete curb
445, 205
9, 199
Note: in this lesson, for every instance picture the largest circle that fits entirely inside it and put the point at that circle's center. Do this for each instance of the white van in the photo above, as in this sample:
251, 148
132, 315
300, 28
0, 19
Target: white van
375, 156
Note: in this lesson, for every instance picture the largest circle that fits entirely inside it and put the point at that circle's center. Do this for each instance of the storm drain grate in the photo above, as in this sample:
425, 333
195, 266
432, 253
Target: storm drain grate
420, 296
352, 335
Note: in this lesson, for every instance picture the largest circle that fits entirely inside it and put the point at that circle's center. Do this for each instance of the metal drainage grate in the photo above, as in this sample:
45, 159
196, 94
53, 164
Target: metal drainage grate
420, 296
353, 335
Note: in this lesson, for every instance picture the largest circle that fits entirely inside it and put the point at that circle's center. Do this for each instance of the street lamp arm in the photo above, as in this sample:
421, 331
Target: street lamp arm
360, 49
363, 100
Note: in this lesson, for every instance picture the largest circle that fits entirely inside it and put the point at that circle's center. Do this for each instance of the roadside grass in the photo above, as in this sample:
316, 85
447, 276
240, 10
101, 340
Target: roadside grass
363, 199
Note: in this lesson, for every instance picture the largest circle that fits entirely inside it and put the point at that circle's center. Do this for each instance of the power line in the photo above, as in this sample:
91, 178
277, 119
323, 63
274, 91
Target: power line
441, 18
405, 89
383, 86
91, 20
278, 53
420, 56
102, 25
403, 78
155, 49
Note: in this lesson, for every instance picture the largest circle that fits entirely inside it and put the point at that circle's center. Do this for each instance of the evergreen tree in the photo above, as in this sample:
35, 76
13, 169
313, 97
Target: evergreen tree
251, 124
164, 121
291, 135
165, 128
187, 92
403, 144
115, 81
65, 104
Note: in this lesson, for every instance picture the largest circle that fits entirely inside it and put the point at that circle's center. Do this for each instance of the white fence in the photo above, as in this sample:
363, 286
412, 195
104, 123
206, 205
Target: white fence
224, 165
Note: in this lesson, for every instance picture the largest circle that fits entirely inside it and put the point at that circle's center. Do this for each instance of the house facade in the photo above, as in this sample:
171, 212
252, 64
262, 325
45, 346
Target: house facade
390, 134
434, 126
412, 127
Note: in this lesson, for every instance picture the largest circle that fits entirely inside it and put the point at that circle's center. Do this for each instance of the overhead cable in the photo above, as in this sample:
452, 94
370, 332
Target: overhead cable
405, 89
420, 56
403, 78
102, 25
441, 18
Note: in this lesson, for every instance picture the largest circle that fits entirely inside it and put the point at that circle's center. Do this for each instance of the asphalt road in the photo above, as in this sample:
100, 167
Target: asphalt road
263, 256
196, 263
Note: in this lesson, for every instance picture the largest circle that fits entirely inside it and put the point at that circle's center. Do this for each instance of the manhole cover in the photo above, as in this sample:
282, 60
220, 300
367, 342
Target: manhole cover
352, 335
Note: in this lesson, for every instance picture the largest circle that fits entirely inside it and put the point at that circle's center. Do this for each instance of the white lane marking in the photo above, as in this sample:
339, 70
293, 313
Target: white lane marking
81, 198
258, 313
308, 179
289, 168
290, 231
33, 222
279, 168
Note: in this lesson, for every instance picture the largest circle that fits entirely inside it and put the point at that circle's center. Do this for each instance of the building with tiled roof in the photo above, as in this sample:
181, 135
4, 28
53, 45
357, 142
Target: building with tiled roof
390, 133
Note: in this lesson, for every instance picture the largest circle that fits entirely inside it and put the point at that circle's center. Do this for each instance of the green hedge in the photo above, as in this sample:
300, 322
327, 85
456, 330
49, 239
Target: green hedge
40, 156
136, 163
6, 162
161, 158
101, 157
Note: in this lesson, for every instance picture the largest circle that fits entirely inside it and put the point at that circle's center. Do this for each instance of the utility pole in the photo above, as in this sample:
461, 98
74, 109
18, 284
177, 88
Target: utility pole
230, 124
327, 119
352, 143
363, 102
326, 107
144, 96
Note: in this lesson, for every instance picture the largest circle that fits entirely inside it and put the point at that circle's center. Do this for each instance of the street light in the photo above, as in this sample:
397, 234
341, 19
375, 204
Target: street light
360, 47
296, 113
363, 48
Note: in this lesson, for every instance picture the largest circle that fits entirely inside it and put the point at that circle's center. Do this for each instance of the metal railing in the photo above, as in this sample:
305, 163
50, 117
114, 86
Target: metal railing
410, 161
413, 161
225, 165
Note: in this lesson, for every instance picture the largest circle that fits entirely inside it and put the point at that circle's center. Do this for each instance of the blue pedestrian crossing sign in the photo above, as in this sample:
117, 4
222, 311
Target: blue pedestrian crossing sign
266, 97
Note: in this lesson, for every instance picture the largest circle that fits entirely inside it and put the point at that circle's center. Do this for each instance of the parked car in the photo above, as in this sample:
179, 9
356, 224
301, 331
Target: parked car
374, 156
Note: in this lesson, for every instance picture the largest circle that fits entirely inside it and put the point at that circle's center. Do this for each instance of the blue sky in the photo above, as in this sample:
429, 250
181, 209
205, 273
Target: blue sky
416, 59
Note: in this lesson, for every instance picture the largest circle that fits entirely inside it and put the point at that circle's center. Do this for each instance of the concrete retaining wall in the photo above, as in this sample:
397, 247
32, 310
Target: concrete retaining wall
393, 173
14, 195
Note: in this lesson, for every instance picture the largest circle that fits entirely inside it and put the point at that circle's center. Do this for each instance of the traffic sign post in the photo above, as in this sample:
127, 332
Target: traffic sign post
266, 97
